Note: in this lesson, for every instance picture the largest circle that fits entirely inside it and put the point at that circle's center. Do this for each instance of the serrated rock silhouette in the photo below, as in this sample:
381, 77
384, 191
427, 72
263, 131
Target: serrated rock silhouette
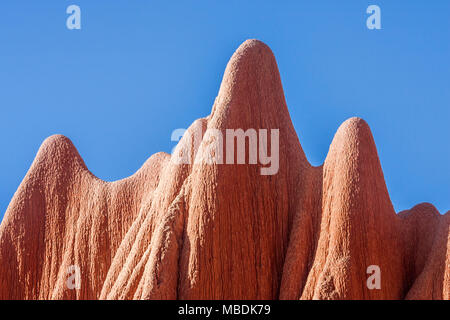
219, 231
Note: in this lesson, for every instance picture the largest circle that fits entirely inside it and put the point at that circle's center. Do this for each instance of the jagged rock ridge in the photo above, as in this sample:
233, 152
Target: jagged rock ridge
213, 231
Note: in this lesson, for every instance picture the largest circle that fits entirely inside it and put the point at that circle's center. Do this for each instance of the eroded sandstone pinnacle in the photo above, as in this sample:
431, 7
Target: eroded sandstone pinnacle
213, 231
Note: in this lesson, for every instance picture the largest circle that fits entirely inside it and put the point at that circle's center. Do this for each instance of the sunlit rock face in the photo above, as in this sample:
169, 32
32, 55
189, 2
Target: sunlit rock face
215, 230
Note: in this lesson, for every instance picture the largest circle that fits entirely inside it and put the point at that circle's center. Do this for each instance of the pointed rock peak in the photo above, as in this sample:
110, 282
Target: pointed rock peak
425, 209
252, 58
353, 158
58, 149
251, 93
251, 51
355, 138
355, 128
57, 140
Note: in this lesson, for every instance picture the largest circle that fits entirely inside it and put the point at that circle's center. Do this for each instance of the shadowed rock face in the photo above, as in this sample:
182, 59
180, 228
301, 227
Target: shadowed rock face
223, 231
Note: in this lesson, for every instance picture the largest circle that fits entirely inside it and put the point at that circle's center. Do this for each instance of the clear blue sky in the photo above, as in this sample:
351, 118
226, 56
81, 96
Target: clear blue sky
139, 69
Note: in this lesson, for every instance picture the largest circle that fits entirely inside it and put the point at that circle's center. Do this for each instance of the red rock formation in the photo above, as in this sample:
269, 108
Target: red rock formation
223, 231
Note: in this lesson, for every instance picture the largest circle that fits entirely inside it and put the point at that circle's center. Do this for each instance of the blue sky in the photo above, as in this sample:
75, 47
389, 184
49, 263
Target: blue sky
137, 70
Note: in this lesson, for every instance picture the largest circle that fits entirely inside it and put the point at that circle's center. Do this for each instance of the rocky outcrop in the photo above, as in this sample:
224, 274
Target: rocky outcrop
202, 229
